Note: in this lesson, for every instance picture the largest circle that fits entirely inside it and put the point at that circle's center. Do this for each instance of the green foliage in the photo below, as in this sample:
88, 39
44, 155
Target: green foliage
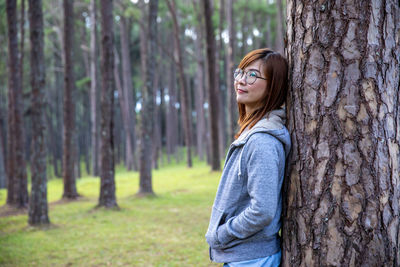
83, 83
166, 230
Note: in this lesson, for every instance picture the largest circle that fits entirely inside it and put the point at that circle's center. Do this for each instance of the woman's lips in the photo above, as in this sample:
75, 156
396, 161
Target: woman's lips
240, 91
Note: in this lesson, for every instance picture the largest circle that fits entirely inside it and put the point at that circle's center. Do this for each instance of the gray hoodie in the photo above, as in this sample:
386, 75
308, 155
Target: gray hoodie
245, 218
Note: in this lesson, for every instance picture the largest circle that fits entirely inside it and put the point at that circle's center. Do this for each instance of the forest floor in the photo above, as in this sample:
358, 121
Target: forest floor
165, 230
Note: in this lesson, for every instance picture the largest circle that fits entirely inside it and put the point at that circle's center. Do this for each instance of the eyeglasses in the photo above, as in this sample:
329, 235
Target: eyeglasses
250, 78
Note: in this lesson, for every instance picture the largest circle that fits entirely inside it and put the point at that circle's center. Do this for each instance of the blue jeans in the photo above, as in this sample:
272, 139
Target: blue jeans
270, 261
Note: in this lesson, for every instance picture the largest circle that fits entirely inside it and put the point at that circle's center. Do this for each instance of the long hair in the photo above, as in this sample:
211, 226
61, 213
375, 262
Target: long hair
275, 70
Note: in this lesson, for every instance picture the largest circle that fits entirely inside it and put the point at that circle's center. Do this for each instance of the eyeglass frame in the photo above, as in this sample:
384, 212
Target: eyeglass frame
245, 73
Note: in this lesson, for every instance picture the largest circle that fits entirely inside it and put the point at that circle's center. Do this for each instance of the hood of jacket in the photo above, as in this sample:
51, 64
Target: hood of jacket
274, 124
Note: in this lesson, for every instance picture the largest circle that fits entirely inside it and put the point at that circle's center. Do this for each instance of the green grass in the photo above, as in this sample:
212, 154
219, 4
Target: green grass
166, 230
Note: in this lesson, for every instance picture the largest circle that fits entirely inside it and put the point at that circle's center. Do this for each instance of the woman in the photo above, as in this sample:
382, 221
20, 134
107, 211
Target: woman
245, 218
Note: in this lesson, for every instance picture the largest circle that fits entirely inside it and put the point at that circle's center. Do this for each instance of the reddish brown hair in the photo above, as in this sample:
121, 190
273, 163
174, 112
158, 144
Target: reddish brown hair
275, 70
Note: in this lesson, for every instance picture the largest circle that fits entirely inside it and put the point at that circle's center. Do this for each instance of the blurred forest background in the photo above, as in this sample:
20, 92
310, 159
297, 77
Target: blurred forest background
168, 91
137, 90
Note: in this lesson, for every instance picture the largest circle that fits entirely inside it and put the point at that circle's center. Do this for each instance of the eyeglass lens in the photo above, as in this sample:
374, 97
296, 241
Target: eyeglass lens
250, 77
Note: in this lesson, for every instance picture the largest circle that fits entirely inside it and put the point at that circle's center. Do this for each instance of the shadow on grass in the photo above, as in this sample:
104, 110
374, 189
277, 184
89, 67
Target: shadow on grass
9, 210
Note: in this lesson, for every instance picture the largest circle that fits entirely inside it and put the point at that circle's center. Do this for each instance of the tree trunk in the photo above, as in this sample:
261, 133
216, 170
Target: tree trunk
182, 84
200, 86
17, 170
57, 111
147, 114
122, 103
128, 91
245, 29
342, 204
172, 114
232, 113
38, 211
159, 121
156, 122
93, 91
279, 45
220, 93
268, 31
22, 32
69, 177
107, 188
212, 95
52, 139
3, 173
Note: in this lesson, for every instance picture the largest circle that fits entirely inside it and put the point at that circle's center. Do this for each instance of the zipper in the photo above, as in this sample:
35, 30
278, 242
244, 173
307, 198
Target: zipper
240, 163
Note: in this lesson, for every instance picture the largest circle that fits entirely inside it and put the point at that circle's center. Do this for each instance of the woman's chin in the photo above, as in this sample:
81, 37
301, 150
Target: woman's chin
240, 100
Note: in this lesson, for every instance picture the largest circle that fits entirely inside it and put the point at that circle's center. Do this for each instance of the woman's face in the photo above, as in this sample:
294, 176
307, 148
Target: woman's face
251, 94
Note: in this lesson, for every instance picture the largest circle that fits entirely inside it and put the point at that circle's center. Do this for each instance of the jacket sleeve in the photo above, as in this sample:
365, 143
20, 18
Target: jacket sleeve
265, 167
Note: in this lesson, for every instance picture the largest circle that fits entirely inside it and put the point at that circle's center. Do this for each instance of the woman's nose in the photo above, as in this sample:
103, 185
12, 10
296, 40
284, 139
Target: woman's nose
242, 79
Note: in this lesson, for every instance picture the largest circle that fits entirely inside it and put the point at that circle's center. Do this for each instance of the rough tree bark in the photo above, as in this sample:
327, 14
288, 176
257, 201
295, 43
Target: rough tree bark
342, 193
147, 113
212, 94
69, 106
38, 211
17, 184
182, 84
107, 169
93, 90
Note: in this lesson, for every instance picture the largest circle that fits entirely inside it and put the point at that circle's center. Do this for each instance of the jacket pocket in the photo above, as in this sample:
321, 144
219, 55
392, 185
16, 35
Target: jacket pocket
260, 236
217, 218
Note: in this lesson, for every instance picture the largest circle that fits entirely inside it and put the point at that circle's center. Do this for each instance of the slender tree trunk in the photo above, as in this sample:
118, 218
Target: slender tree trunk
52, 139
279, 45
156, 122
182, 84
18, 180
13, 53
218, 56
107, 188
342, 194
143, 31
212, 95
172, 114
245, 29
22, 32
3, 140
69, 158
232, 113
93, 90
160, 117
128, 107
3, 174
146, 148
206, 96
118, 85
200, 86
38, 211
268, 31
58, 110
10, 157
82, 138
